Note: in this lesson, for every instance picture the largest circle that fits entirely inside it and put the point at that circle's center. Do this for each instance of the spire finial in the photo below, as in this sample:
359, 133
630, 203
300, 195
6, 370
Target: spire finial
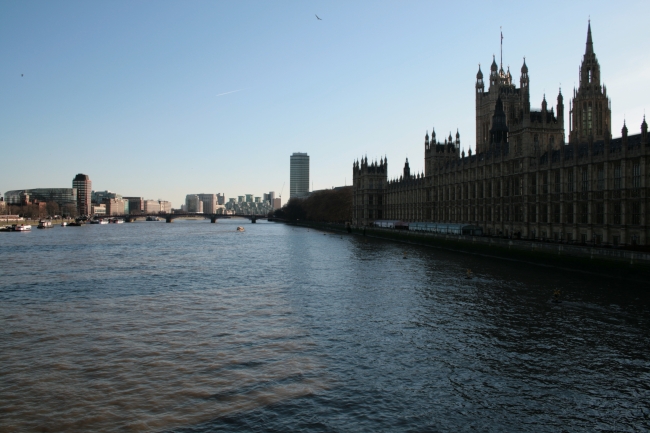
590, 43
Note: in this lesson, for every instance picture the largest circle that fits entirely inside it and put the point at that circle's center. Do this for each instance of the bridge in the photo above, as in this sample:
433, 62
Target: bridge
169, 217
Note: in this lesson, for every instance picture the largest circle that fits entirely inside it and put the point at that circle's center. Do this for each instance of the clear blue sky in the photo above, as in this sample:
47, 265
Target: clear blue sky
135, 94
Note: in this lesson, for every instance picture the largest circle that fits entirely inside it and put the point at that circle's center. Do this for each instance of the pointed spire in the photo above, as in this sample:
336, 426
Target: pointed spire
524, 68
590, 43
624, 130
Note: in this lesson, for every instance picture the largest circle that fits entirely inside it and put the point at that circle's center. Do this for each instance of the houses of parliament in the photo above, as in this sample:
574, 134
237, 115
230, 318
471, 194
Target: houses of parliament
523, 181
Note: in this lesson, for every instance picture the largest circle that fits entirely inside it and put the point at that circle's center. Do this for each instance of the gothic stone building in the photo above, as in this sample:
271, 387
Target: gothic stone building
524, 181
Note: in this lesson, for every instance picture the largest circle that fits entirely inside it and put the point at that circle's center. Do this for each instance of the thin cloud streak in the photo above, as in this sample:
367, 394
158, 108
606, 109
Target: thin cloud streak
232, 91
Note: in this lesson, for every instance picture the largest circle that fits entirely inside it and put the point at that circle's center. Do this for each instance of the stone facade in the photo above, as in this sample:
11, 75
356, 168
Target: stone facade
524, 181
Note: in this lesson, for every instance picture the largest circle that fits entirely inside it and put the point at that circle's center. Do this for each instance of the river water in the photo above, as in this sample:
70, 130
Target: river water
194, 327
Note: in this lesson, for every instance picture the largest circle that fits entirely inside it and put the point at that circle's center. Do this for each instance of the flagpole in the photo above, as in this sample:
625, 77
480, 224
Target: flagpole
501, 28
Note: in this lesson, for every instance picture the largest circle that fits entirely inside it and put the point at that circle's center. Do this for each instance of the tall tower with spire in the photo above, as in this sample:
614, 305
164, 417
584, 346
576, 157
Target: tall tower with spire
590, 109
501, 86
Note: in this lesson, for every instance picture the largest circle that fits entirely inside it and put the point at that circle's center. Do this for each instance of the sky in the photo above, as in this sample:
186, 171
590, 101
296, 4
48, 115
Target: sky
160, 99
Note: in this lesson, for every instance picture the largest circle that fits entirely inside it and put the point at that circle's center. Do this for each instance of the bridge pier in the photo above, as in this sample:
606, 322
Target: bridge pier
213, 219
169, 219
254, 219
129, 219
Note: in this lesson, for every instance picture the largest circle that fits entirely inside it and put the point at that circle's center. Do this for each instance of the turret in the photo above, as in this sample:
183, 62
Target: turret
480, 87
524, 82
407, 170
493, 72
644, 131
560, 107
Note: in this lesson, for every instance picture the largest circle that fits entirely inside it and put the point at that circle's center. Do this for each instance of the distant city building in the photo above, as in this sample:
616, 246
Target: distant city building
136, 205
299, 175
98, 209
165, 206
61, 196
249, 198
99, 196
116, 206
84, 188
271, 196
221, 199
277, 203
209, 203
151, 206
240, 199
193, 203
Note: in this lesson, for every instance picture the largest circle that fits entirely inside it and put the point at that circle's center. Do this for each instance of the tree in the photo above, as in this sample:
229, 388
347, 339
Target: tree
333, 206
52, 208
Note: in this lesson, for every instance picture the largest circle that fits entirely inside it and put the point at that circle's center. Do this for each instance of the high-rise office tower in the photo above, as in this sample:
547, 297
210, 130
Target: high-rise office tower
84, 191
299, 175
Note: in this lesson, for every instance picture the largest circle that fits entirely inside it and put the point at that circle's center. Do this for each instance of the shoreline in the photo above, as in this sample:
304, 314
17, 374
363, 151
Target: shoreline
620, 264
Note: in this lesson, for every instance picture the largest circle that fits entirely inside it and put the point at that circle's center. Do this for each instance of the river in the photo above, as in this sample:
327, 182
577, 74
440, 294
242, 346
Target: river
194, 327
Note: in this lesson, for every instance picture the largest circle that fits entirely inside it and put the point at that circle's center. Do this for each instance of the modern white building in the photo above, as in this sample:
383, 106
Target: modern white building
299, 175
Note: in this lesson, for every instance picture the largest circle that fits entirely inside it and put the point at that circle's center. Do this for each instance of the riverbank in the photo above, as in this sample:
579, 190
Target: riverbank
609, 262
32, 222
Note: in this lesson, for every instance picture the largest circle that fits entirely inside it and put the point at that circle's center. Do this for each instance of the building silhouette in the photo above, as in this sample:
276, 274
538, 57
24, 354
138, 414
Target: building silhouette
299, 175
84, 187
524, 181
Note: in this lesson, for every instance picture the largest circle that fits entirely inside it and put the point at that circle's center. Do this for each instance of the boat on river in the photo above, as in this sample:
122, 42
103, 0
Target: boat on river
22, 228
44, 224
240, 229
116, 221
153, 218
63, 224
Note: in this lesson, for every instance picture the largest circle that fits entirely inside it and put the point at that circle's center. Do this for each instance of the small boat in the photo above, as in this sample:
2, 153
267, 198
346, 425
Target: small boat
240, 229
63, 224
103, 221
44, 224
22, 228
116, 221
153, 218
94, 221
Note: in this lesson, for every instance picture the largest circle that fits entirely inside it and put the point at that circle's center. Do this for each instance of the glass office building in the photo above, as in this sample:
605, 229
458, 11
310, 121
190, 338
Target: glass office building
62, 196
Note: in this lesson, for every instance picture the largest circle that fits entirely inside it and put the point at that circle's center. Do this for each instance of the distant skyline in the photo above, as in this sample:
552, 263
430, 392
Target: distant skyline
163, 99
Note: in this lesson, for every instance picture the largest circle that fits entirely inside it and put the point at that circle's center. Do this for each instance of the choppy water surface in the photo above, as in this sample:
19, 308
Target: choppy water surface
193, 327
